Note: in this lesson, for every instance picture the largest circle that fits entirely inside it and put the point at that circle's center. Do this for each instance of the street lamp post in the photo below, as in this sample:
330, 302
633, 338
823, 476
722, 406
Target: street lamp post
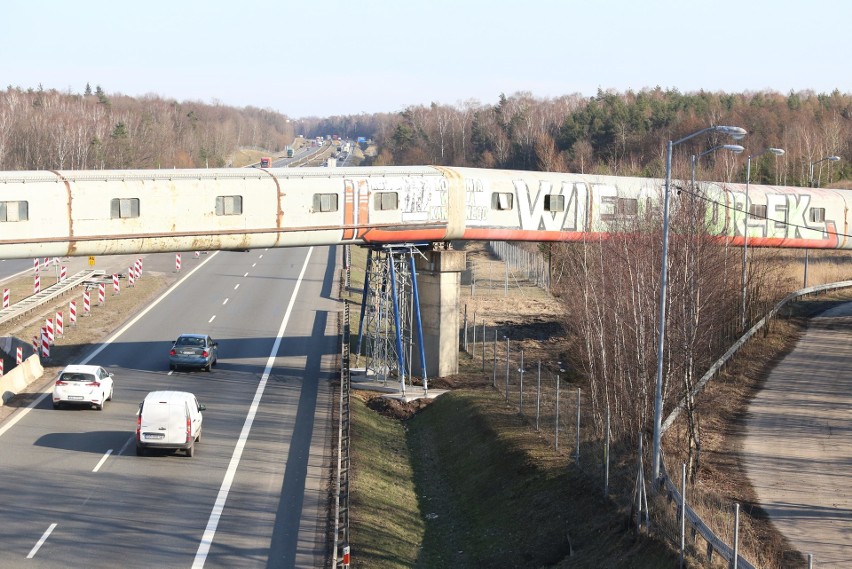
746, 208
737, 133
735, 148
829, 158
813, 185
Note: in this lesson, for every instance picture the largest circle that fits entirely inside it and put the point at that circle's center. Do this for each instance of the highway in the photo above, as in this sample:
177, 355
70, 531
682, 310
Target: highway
74, 493
12, 267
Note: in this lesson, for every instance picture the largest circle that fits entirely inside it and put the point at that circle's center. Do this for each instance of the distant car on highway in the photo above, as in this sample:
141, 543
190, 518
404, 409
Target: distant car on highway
194, 351
83, 385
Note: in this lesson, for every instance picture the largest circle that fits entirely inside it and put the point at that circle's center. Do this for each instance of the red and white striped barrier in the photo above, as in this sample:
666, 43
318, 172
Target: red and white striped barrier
35, 344
45, 344
36, 284
72, 313
138, 266
46, 263
177, 261
63, 273
5, 298
60, 326
87, 303
101, 293
115, 286
131, 276
48, 325
197, 254
1, 367
35, 268
19, 355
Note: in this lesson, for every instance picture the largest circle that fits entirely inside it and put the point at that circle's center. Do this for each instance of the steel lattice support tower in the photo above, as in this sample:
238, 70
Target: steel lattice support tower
388, 329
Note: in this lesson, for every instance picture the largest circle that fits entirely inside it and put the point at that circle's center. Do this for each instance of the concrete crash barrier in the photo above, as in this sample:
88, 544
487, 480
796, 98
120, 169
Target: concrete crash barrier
20, 377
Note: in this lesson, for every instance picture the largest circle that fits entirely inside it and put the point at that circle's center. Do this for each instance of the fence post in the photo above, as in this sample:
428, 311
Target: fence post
506, 280
736, 533
484, 340
465, 330
473, 347
557, 413
641, 494
606, 455
577, 456
521, 389
538, 395
494, 380
507, 369
682, 514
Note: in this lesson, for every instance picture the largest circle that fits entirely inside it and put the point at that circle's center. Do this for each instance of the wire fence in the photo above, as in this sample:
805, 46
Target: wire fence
519, 267
705, 527
560, 412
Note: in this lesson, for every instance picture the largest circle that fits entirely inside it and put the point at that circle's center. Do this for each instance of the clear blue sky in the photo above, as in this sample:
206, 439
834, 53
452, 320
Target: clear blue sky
323, 58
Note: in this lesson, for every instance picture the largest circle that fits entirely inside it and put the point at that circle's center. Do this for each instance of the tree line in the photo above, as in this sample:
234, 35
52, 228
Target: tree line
44, 129
624, 134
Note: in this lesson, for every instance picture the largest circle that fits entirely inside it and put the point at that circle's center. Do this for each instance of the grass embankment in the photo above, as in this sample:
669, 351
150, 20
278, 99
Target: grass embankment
467, 483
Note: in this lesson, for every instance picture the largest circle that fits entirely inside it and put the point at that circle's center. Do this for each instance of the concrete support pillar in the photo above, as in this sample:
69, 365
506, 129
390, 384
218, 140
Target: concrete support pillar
438, 280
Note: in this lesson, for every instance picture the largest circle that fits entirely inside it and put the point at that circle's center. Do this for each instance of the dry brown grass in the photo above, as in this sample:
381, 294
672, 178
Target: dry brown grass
88, 331
722, 480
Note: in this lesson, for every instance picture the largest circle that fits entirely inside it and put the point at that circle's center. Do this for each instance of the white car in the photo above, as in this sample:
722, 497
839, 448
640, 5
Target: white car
83, 385
169, 420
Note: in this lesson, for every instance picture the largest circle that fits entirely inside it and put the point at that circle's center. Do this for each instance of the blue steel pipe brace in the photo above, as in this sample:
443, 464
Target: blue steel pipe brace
417, 320
400, 355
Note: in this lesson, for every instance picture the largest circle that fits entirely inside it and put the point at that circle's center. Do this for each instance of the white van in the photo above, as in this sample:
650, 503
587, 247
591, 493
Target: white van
168, 420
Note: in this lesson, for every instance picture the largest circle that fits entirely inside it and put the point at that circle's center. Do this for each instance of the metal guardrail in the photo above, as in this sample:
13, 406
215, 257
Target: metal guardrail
716, 367
50, 293
340, 552
714, 543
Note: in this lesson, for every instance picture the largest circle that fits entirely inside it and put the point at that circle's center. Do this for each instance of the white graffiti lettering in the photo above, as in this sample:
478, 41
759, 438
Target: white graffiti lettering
533, 215
786, 217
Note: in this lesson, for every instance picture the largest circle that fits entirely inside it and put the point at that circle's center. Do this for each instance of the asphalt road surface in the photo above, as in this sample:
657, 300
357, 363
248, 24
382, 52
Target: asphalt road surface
798, 444
73, 493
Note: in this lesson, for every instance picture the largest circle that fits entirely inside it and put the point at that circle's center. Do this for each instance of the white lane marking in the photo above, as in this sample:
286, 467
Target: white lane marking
212, 318
102, 460
245, 275
49, 389
129, 440
16, 275
236, 286
225, 302
222, 497
261, 256
253, 265
38, 545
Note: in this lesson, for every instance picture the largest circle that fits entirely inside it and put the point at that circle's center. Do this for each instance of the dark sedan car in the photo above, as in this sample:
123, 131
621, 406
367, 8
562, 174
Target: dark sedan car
194, 351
